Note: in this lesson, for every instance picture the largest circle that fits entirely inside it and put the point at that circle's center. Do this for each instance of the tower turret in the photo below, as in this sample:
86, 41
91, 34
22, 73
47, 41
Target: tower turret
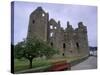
38, 23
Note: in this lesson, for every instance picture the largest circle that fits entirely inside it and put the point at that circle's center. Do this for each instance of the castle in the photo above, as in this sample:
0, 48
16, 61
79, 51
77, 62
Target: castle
69, 41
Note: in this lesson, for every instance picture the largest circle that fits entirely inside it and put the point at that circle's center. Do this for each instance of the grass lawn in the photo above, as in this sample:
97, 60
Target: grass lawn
23, 64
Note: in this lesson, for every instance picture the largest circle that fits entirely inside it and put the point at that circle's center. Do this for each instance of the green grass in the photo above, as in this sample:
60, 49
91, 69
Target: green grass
23, 64
20, 65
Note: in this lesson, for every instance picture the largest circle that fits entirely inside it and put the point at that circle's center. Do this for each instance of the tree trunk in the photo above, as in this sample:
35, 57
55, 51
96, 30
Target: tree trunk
30, 64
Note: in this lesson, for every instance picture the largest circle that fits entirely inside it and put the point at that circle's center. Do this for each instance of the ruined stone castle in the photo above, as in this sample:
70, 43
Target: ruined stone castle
69, 41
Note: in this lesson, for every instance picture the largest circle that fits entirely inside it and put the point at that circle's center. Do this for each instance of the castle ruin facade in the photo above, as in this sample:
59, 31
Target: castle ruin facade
69, 41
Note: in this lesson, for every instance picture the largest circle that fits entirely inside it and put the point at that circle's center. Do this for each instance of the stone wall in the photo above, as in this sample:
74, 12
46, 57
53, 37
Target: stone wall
38, 24
70, 42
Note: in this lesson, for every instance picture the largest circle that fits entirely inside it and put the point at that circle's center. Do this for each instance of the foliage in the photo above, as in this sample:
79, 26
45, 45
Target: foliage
32, 48
18, 50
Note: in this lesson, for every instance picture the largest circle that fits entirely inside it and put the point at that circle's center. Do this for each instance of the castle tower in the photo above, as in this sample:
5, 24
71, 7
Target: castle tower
82, 39
70, 49
38, 23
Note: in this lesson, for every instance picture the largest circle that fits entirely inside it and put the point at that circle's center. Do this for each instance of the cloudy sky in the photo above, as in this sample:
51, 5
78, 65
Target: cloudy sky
62, 12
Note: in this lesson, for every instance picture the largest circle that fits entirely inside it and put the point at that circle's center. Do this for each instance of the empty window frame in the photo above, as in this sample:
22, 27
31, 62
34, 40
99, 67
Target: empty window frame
51, 34
55, 27
77, 44
64, 46
52, 44
33, 21
43, 14
51, 26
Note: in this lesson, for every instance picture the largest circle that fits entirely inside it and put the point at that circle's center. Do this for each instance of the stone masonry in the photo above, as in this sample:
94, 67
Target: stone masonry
69, 41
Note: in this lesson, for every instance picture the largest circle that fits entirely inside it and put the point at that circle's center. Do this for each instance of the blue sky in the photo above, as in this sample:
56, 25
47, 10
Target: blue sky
62, 12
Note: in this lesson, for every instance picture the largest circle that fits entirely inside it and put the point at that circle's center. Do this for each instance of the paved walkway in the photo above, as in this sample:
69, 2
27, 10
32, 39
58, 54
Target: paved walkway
90, 63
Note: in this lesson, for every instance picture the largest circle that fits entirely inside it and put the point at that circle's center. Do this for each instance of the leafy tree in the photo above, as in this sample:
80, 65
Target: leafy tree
48, 51
32, 48
18, 50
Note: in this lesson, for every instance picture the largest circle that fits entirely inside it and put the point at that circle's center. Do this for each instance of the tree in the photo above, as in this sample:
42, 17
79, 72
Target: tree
32, 48
48, 51
18, 50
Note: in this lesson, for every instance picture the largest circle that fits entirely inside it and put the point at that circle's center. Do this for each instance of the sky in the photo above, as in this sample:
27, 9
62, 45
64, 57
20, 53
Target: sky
62, 12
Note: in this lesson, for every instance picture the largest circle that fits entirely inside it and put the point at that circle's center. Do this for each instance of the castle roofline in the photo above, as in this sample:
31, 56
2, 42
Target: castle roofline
38, 9
52, 20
